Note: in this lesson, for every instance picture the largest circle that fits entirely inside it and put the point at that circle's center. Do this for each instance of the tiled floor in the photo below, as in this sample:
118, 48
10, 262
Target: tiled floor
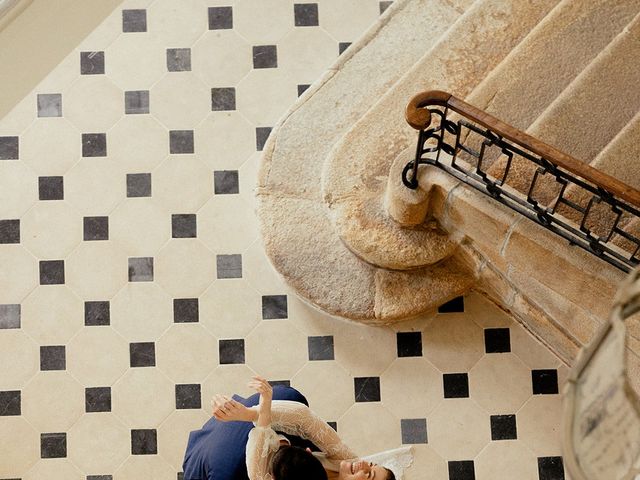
133, 285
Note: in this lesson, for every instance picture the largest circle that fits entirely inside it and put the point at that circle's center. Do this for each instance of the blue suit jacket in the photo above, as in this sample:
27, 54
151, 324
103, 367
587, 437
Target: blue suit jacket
217, 450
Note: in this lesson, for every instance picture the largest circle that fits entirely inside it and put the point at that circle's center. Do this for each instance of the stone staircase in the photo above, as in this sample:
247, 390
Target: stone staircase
564, 71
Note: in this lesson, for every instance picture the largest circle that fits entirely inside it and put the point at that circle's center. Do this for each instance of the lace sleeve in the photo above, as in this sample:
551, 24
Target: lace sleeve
297, 419
261, 445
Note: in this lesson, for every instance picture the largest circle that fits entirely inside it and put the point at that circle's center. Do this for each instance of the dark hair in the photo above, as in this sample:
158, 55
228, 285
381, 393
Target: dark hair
390, 474
295, 463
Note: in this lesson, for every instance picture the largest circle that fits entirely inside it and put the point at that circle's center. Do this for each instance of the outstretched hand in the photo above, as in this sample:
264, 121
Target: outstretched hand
262, 386
227, 409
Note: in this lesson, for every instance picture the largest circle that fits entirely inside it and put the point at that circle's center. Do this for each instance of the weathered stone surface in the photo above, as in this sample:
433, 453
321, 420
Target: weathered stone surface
407, 207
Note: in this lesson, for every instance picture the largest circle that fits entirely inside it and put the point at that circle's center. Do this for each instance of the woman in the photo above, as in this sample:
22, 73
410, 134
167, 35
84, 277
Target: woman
270, 457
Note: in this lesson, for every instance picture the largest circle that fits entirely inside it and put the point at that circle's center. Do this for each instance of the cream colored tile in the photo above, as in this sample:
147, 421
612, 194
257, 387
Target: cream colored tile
135, 62
93, 103
506, 459
406, 381
248, 20
51, 316
540, 425
528, 349
51, 229
346, 20
485, 313
458, 429
54, 469
97, 356
18, 189
221, 58
182, 184
369, 428
500, 383
225, 140
306, 53
96, 270
420, 323
143, 397
174, 433
138, 143
94, 186
230, 309
425, 459
145, 466
276, 349
104, 34
228, 380
19, 357
180, 101
365, 351
327, 387
177, 24
98, 442
264, 95
226, 224
52, 401
19, 273
248, 179
140, 226
141, 311
563, 375
453, 343
185, 267
193, 364
64, 74
50, 146
19, 117
22, 441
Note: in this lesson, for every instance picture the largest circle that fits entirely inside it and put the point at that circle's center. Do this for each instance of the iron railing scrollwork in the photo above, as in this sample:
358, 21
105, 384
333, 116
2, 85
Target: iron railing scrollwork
581, 204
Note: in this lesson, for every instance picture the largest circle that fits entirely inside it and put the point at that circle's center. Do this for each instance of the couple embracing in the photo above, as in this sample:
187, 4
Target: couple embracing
273, 435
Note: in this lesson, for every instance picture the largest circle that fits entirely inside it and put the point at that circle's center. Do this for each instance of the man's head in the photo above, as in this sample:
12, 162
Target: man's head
294, 463
361, 470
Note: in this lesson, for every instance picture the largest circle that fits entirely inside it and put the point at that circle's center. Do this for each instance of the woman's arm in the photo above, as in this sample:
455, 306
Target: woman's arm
263, 441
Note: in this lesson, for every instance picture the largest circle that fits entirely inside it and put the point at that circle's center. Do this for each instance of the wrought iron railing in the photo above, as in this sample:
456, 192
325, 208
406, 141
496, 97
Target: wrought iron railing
581, 204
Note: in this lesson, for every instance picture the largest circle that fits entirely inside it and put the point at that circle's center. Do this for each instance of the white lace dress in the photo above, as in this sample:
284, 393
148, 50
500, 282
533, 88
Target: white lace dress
297, 419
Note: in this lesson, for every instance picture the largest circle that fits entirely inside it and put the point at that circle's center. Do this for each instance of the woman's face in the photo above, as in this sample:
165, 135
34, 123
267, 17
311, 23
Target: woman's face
361, 470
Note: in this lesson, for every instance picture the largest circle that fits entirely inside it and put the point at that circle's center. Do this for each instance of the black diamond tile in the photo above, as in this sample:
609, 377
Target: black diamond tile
550, 468
185, 310
179, 59
96, 313
188, 396
9, 315
497, 340
10, 403
231, 351
223, 99
274, 306
141, 269
262, 133
305, 14
136, 102
97, 399
9, 148
452, 306
367, 389
134, 20
180, 476
265, 56
333, 425
144, 442
320, 348
229, 266
503, 427
225, 182
51, 272
301, 89
10, 231
414, 430
461, 470
220, 18
282, 383
142, 354
183, 225
53, 357
50, 188
49, 104
342, 46
94, 144
53, 445
384, 5
138, 184
181, 141
99, 477
91, 63
409, 344
544, 382
96, 228
455, 385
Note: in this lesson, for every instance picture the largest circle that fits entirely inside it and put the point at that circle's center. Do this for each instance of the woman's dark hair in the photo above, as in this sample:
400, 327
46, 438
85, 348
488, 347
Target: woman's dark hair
390, 474
294, 463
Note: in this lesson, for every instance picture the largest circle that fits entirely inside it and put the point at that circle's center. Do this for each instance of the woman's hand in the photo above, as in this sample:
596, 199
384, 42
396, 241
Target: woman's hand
227, 409
265, 390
